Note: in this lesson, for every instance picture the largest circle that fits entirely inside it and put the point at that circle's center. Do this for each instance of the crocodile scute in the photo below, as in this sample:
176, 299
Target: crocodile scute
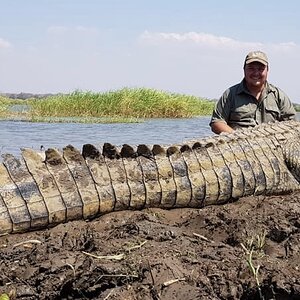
43, 189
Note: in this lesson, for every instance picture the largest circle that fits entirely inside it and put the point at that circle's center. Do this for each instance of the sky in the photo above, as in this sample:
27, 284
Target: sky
191, 47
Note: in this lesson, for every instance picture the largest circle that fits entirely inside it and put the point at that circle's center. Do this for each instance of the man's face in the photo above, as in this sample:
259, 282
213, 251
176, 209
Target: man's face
255, 74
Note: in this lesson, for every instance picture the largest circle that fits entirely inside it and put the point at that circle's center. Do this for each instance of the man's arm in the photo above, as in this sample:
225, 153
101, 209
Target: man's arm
221, 114
218, 127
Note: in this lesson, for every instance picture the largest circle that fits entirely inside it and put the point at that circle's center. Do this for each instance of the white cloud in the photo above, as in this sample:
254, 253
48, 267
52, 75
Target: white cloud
4, 43
201, 39
209, 40
203, 64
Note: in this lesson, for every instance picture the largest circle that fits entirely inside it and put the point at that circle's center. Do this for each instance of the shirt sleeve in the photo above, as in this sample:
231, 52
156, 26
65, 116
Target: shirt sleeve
222, 109
286, 107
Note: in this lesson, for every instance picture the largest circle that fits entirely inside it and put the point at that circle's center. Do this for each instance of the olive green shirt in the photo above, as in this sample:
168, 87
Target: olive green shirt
238, 108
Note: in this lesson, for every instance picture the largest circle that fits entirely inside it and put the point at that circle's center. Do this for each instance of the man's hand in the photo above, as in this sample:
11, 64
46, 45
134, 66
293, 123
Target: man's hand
219, 127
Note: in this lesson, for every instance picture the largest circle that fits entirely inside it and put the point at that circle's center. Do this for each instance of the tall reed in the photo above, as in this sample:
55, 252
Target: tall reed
126, 102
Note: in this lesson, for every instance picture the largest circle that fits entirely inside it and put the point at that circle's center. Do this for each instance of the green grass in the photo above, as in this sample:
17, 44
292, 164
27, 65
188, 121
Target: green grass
5, 105
124, 105
136, 103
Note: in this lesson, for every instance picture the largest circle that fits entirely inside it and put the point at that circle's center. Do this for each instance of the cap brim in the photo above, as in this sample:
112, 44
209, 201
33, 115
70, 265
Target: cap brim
249, 61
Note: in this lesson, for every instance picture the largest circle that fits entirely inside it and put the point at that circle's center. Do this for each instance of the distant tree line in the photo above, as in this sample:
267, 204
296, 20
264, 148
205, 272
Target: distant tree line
24, 96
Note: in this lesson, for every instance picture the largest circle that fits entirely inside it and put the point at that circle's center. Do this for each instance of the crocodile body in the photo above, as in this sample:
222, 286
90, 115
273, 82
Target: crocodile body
45, 189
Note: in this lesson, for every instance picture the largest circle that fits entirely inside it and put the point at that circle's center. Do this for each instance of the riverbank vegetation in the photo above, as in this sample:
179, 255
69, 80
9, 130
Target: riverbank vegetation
124, 105
137, 103
6, 104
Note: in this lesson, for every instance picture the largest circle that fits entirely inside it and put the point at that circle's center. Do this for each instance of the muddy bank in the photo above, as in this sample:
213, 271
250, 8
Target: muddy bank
249, 249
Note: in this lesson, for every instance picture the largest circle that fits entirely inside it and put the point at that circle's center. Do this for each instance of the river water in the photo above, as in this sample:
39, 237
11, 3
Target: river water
18, 134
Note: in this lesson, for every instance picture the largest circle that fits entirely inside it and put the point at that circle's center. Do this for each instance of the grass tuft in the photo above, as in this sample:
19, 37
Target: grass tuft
125, 103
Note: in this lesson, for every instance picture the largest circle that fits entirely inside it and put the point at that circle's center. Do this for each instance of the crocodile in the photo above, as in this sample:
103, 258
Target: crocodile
44, 189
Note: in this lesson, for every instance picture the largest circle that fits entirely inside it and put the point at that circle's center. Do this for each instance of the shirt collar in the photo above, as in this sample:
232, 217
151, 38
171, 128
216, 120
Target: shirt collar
243, 89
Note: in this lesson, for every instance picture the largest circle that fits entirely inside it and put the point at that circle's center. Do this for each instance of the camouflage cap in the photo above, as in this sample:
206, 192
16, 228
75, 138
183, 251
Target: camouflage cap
256, 56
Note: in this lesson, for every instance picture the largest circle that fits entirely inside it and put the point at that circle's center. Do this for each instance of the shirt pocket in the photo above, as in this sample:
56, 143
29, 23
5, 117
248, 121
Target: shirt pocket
242, 112
272, 112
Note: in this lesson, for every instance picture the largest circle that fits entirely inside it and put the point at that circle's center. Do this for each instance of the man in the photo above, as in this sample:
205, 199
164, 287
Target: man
253, 101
